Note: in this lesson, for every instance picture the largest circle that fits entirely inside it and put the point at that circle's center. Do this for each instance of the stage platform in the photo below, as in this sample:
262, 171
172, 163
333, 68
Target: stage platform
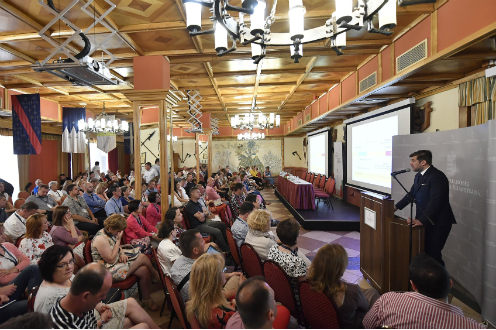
345, 217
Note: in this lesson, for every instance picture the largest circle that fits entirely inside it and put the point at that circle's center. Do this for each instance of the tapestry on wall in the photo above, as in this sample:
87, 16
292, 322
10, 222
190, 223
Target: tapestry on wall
248, 153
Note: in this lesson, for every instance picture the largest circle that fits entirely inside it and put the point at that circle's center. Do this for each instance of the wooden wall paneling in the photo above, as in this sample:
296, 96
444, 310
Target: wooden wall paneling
323, 105
379, 68
434, 33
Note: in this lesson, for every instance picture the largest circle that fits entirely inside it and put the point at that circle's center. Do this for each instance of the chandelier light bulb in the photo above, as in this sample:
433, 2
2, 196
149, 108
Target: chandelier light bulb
344, 10
220, 38
91, 123
256, 50
271, 118
102, 123
296, 19
116, 125
98, 124
193, 16
278, 120
292, 50
387, 16
263, 135
341, 39
258, 18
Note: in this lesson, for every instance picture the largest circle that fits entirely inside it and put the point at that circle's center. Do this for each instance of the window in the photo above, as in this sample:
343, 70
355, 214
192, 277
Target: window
8, 166
96, 155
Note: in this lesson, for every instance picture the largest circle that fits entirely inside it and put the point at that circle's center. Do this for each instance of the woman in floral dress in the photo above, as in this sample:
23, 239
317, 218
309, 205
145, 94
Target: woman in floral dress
37, 239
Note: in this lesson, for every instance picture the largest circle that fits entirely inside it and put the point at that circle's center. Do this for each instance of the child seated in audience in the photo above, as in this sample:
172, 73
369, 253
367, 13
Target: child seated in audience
37, 239
325, 275
286, 254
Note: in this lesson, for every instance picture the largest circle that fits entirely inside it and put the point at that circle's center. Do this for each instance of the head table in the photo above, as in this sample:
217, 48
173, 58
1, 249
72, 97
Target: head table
299, 193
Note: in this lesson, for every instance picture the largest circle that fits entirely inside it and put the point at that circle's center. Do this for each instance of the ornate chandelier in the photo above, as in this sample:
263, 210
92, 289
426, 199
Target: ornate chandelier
103, 124
248, 121
258, 34
252, 136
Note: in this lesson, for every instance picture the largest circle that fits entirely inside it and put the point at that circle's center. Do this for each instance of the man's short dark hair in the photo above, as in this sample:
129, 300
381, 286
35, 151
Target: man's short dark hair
29, 206
152, 197
92, 180
32, 320
44, 186
97, 163
70, 187
188, 241
237, 186
148, 163
430, 277
287, 231
88, 279
192, 189
254, 304
157, 160
113, 188
423, 155
252, 198
246, 208
91, 172
189, 174
133, 205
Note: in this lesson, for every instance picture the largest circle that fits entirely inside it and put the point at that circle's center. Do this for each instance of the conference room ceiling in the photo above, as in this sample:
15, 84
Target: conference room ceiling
157, 27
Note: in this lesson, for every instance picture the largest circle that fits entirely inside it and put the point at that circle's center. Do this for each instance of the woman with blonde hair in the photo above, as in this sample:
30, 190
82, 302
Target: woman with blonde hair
100, 191
259, 235
36, 240
207, 302
106, 249
325, 275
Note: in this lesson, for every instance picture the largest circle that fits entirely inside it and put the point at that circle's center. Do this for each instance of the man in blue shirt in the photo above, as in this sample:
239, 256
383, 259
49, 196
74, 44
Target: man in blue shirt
95, 203
151, 188
114, 205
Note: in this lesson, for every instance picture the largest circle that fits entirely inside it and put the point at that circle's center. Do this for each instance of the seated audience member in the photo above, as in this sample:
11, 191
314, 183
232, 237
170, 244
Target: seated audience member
37, 239
182, 186
268, 176
206, 203
114, 205
179, 199
133, 192
153, 211
64, 232
286, 254
64, 187
151, 187
175, 215
426, 308
3, 204
15, 225
139, 232
54, 192
257, 308
212, 195
240, 227
100, 191
8, 208
259, 235
254, 176
37, 185
62, 179
94, 182
257, 201
192, 247
207, 301
197, 220
105, 249
325, 275
29, 321
81, 213
16, 275
190, 184
237, 198
77, 309
125, 198
94, 202
167, 251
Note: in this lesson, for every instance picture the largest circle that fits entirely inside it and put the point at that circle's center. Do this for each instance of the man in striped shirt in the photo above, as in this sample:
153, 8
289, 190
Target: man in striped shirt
426, 308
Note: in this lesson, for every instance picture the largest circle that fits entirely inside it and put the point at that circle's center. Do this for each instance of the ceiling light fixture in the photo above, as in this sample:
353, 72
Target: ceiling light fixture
103, 124
258, 34
252, 136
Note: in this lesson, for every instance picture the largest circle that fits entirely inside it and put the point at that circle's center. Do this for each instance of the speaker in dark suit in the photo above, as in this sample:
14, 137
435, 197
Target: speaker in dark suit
431, 190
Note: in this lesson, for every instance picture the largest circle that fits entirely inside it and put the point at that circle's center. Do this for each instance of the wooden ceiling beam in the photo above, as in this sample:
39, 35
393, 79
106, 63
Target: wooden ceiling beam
213, 81
275, 84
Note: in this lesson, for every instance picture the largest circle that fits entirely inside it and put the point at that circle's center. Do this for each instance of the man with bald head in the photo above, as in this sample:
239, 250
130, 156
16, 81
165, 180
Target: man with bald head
257, 308
82, 307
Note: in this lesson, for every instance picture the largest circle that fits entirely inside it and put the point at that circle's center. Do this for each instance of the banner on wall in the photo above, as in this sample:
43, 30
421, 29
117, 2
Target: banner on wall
338, 168
26, 124
106, 142
73, 140
468, 158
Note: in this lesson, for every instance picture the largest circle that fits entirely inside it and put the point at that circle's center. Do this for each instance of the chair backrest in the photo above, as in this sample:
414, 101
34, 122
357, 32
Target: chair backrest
233, 247
177, 301
186, 222
311, 177
307, 178
282, 284
87, 251
160, 272
319, 311
252, 264
195, 324
18, 240
304, 175
31, 299
62, 199
316, 180
23, 194
19, 202
331, 185
225, 218
322, 182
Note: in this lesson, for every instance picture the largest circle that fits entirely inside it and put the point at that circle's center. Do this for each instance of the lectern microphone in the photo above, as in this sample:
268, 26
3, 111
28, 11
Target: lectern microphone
401, 171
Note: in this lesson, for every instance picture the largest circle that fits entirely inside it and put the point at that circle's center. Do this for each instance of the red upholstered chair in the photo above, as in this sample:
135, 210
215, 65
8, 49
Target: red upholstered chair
177, 302
307, 178
195, 324
319, 311
233, 248
284, 287
316, 180
312, 176
225, 219
188, 227
252, 264
23, 195
322, 183
18, 240
330, 188
19, 202
162, 280
31, 299
304, 175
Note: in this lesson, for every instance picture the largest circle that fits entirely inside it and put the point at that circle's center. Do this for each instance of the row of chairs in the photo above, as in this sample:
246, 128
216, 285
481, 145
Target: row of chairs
323, 188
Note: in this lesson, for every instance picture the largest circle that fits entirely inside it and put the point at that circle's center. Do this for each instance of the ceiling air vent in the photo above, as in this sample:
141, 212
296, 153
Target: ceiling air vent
299, 122
411, 56
368, 82
308, 118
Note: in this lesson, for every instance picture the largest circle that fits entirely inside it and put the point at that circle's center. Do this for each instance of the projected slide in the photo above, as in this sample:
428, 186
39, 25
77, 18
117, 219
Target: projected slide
372, 151
318, 157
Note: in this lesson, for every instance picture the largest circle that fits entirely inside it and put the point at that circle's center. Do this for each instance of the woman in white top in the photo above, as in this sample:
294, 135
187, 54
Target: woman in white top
183, 194
178, 194
167, 251
56, 268
259, 235
36, 240
56, 194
